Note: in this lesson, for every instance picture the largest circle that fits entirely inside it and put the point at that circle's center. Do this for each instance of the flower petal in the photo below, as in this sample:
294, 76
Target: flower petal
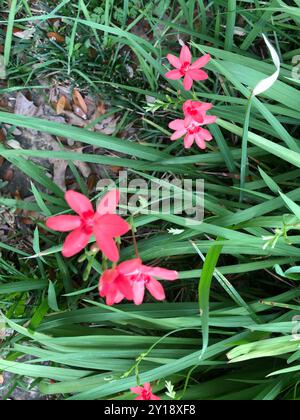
137, 390
130, 267
113, 297
124, 285
173, 75
187, 82
190, 106
109, 203
156, 289
188, 121
205, 135
75, 242
200, 142
108, 287
199, 117
201, 62
185, 55
63, 223
107, 278
162, 273
78, 202
205, 106
178, 134
138, 289
177, 125
108, 246
189, 141
147, 387
197, 75
110, 225
174, 61
209, 119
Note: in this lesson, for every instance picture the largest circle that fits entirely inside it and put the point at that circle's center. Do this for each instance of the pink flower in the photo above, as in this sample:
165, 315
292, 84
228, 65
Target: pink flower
142, 276
144, 392
130, 279
196, 110
186, 69
102, 223
115, 287
192, 130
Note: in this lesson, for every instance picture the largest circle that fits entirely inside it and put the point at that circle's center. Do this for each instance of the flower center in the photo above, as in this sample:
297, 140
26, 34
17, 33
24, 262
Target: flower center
146, 395
87, 220
194, 128
194, 112
185, 67
140, 277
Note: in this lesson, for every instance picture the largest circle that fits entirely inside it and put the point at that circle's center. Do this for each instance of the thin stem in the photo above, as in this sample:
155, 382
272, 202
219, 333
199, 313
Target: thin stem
133, 229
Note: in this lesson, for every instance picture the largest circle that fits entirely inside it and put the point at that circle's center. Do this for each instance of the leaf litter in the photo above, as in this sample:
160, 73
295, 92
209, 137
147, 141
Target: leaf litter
62, 105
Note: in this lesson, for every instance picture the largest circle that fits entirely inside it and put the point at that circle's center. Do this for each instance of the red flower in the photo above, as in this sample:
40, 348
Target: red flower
115, 287
102, 223
196, 110
192, 130
144, 392
130, 279
186, 69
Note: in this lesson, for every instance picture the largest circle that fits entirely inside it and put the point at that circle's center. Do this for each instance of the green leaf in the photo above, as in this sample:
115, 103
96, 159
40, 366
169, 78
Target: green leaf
52, 299
209, 266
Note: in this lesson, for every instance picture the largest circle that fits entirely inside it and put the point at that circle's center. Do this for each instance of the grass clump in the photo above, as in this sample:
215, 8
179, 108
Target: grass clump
237, 297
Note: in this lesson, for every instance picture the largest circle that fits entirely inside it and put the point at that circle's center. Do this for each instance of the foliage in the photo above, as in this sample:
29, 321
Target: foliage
118, 51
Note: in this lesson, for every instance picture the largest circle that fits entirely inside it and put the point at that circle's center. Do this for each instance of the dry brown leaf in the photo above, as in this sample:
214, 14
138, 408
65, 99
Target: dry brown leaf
92, 53
27, 221
54, 21
59, 173
5, 103
78, 111
14, 144
73, 119
79, 101
116, 169
92, 182
24, 107
8, 176
56, 37
60, 167
61, 105
101, 109
107, 126
27, 34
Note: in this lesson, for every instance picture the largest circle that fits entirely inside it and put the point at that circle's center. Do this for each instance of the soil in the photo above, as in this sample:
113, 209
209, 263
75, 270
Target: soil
18, 393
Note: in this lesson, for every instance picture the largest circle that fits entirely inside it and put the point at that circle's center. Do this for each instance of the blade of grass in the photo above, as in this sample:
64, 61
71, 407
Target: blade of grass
230, 24
9, 32
209, 266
